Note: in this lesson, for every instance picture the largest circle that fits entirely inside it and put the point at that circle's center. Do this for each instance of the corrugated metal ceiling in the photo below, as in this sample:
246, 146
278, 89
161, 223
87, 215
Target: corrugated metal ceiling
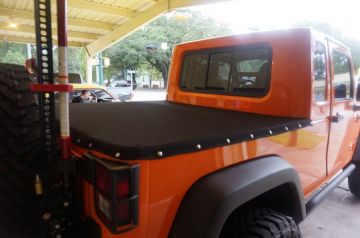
94, 24
100, 18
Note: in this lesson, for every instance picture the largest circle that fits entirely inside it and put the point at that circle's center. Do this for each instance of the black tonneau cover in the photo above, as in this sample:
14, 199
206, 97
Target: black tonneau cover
139, 130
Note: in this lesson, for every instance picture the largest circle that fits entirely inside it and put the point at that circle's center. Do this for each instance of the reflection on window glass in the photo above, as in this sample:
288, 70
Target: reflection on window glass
101, 94
342, 76
219, 71
319, 58
194, 71
242, 71
251, 71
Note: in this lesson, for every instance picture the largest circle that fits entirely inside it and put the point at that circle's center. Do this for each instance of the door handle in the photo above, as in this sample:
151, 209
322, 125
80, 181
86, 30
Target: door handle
338, 117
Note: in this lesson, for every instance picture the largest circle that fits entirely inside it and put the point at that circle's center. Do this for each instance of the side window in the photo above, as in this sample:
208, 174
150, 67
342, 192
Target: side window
319, 59
194, 71
243, 71
342, 76
219, 71
251, 71
74, 94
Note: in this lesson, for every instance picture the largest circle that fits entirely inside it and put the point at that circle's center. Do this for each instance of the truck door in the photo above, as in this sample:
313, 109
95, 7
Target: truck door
344, 127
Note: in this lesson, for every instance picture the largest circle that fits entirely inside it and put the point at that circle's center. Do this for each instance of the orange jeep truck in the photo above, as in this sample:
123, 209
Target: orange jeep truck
254, 133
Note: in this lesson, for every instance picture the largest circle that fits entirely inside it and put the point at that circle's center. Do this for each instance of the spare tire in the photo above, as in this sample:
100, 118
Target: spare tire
19, 152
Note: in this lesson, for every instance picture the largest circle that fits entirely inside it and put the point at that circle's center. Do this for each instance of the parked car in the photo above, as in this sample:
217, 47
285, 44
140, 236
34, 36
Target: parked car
99, 94
123, 89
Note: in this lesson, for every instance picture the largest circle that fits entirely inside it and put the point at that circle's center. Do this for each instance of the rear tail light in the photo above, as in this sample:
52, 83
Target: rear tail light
116, 194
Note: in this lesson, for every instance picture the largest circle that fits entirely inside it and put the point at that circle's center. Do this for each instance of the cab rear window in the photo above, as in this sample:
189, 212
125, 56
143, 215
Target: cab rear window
241, 71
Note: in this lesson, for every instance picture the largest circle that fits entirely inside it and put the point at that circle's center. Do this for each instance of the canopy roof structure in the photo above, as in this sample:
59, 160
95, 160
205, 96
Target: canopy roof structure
93, 24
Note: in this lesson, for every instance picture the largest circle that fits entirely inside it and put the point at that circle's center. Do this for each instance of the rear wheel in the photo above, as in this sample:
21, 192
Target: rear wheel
354, 178
19, 152
264, 223
354, 182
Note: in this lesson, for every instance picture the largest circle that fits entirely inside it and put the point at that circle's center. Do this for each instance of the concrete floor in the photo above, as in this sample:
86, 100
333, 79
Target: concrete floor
336, 217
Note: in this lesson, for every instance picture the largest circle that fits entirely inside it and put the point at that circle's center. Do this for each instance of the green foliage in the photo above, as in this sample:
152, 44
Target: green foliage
76, 61
14, 53
341, 63
144, 46
127, 54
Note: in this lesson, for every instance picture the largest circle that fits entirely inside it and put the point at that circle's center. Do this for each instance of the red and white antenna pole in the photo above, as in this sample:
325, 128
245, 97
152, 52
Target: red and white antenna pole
63, 78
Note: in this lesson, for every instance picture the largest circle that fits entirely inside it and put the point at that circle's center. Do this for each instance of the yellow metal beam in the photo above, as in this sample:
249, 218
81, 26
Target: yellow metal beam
150, 14
88, 24
191, 3
126, 29
28, 15
23, 39
30, 29
100, 8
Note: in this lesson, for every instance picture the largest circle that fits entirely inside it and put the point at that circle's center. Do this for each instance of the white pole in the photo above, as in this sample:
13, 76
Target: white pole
29, 55
63, 78
88, 69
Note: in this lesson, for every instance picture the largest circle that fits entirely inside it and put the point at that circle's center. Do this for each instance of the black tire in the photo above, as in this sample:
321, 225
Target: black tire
260, 223
19, 152
354, 182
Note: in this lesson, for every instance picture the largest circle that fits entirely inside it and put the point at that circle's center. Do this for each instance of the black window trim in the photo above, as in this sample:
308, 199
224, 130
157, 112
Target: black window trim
254, 93
326, 98
351, 77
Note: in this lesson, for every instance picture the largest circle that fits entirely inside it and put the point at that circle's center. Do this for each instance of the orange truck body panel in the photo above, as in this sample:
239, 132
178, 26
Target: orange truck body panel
288, 84
164, 182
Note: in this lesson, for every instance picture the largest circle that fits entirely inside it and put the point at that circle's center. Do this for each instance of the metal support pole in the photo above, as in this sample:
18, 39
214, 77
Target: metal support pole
101, 70
28, 47
88, 69
63, 78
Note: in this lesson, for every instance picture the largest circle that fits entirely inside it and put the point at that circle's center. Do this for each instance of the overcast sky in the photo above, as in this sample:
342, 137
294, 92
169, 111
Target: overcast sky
268, 14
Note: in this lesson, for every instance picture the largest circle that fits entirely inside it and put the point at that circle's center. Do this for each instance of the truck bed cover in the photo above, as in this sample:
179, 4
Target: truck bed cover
156, 129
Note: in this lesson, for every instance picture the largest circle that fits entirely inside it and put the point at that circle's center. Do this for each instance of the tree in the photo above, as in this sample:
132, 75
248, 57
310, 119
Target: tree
76, 60
14, 53
174, 28
145, 44
127, 54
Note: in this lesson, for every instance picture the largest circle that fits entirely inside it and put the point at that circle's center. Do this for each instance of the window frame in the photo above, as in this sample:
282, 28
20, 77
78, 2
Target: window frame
232, 50
326, 96
209, 67
333, 76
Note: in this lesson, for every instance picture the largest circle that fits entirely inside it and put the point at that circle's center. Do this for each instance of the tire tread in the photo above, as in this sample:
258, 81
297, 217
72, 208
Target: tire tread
19, 150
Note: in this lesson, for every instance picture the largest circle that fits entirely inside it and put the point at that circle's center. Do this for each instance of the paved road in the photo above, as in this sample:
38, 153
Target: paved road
142, 94
337, 217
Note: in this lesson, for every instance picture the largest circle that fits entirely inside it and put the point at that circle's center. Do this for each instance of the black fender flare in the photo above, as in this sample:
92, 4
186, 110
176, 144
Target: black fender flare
210, 201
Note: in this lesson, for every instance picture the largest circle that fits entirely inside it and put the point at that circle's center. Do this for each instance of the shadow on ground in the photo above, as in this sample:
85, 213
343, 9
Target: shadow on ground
336, 217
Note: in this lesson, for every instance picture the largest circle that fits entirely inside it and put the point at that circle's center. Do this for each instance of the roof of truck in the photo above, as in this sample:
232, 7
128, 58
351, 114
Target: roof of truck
260, 34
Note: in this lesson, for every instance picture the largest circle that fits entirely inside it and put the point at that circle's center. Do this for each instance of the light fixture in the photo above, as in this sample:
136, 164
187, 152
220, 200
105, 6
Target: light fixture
12, 25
